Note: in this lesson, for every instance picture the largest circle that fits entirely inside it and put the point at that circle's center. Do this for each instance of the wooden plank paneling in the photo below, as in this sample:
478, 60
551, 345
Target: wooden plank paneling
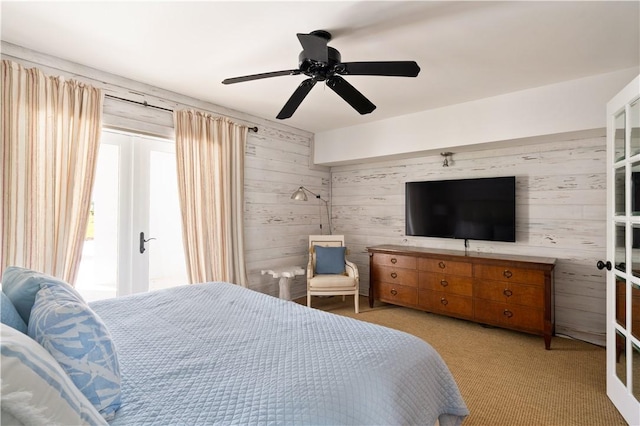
561, 191
560, 212
277, 162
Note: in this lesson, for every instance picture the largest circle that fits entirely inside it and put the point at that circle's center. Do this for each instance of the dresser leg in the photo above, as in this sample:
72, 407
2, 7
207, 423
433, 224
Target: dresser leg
370, 296
547, 341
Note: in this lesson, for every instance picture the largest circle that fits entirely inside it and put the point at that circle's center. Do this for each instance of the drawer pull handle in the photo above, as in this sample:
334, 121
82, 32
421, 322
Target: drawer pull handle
444, 301
394, 260
507, 273
394, 292
444, 283
441, 265
507, 313
507, 292
394, 275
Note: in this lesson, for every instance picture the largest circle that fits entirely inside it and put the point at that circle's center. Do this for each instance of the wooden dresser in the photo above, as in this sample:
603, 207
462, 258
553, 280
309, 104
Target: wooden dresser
514, 292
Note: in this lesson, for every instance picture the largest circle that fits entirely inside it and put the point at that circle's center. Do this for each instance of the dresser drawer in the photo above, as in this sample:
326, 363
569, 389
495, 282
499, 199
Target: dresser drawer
445, 303
508, 315
445, 266
510, 293
394, 275
453, 284
396, 294
398, 261
506, 273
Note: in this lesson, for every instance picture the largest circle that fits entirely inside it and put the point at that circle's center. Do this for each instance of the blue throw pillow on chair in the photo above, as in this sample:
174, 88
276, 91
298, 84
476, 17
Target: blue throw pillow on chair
329, 260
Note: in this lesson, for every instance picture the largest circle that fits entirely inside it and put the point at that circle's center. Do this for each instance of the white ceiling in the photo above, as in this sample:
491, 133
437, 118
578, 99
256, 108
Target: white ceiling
466, 50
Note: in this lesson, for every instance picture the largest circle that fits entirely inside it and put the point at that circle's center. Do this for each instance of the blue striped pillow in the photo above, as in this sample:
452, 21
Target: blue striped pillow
35, 389
67, 327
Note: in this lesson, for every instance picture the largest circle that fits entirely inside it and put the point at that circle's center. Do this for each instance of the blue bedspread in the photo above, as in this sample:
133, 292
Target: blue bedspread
217, 353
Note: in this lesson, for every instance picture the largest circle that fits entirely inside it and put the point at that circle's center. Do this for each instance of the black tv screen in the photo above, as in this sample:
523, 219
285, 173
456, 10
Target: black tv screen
474, 209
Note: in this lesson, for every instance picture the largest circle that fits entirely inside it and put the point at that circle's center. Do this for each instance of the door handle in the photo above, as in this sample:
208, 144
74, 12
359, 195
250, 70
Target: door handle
602, 265
142, 241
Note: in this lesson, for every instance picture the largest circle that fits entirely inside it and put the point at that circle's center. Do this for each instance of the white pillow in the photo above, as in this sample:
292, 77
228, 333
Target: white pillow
34, 386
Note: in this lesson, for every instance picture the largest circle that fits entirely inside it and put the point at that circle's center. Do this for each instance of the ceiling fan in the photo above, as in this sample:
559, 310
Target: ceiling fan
323, 63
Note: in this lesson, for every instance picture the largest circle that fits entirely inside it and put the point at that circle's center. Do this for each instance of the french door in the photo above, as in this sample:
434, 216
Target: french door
134, 236
623, 252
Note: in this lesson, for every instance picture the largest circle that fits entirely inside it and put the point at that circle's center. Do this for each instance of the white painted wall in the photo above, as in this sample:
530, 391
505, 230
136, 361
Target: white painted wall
566, 107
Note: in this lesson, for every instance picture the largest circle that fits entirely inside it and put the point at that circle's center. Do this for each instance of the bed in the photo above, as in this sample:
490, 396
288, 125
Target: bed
216, 353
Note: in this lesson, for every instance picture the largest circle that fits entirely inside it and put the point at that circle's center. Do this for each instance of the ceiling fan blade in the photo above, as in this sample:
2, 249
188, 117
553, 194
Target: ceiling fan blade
296, 99
350, 94
259, 76
390, 68
315, 47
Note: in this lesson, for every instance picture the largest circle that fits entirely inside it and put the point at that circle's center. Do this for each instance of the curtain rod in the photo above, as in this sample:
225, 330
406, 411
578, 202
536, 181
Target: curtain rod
145, 103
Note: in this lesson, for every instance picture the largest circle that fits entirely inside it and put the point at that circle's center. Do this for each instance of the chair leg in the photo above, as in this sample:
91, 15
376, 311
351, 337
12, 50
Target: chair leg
356, 298
308, 300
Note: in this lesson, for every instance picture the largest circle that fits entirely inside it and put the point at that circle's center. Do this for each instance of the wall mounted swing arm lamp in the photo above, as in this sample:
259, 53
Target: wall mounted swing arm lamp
300, 194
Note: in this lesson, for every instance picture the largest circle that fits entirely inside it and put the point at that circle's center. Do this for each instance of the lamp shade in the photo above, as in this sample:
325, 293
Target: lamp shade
299, 195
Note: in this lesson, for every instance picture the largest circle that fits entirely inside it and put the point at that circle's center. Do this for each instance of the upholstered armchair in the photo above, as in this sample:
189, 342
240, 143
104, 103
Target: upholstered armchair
329, 273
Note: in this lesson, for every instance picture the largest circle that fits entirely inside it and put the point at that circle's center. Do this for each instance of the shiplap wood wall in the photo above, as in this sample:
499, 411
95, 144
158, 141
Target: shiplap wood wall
560, 184
277, 161
560, 213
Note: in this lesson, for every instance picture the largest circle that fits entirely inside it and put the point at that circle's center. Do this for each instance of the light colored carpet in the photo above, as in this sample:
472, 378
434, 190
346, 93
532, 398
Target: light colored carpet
505, 377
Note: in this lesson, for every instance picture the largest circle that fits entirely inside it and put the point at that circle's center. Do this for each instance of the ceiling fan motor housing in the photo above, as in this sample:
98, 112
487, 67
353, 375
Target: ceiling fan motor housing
319, 70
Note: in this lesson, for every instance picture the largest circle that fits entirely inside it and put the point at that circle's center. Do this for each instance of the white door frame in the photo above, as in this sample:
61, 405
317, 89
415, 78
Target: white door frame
621, 394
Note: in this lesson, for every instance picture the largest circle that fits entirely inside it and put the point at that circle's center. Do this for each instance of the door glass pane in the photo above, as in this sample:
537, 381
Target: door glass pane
619, 192
635, 189
619, 153
97, 275
166, 254
621, 356
621, 301
635, 250
620, 260
635, 312
635, 369
634, 119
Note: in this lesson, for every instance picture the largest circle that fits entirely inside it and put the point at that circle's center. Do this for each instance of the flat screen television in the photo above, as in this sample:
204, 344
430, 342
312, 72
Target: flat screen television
470, 209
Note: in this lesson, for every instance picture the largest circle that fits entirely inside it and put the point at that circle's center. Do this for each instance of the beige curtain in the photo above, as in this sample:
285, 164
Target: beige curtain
210, 156
50, 137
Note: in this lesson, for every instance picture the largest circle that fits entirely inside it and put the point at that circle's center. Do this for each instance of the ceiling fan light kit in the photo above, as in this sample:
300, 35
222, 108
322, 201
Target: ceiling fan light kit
320, 62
